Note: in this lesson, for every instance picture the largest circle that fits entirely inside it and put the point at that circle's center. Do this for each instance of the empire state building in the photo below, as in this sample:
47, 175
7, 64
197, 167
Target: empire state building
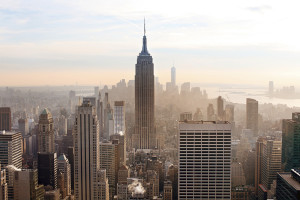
145, 134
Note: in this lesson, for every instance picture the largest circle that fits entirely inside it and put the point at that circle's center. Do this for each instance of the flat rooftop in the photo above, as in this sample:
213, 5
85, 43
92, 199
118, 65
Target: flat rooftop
289, 179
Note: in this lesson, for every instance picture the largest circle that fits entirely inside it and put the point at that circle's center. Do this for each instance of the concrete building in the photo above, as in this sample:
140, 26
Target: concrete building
86, 148
64, 166
204, 156
26, 185
5, 119
121, 147
145, 133
102, 185
168, 190
211, 113
220, 108
46, 132
291, 143
108, 161
23, 126
252, 115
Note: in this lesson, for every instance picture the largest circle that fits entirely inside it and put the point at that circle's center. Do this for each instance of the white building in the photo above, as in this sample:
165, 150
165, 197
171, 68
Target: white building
204, 160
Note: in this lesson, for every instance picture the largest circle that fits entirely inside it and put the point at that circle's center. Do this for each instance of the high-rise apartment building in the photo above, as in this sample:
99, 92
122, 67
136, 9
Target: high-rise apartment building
204, 160
122, 147
86, 148
5, 119
252, 115
145, 134
46, 132
103, 187
291, 143
119, 117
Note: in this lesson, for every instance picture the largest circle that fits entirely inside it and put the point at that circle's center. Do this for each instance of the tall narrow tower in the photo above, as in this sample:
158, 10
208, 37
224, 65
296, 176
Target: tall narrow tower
86, 145
46, 133
145, 136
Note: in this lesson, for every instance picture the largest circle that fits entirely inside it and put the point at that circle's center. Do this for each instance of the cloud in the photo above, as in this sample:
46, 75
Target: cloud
259, 9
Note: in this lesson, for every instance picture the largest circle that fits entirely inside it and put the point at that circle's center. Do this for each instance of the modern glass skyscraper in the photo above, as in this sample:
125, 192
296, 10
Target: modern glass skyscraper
204, 160
145, 135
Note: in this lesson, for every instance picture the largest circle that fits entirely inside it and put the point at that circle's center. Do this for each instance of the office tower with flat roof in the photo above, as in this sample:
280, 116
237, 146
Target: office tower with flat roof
271, 161
26, 185
47, 169
119, 117
252, 115
168, 190
204, 157
210, 113
145, 133
258, 162
64, 166
288, 185
108, 128
5, 119
291, 142
46, 132
122, 147
109, 161
86, 148
229, 113
220, 108
100, 114
173, 76
23, 126
70, 157
11, 148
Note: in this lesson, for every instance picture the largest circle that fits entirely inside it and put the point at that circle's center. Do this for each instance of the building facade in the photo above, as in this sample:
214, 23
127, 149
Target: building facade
86, 148
204, 160
46, 132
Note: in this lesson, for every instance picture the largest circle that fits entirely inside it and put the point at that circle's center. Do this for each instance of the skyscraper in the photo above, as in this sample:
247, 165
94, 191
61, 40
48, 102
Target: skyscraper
252, 115
5, 119
11, 149
64, 166
173, 76
220, 107
144, 100
26, 185
291, 143
86, 147
46, 132
47, 169
109, 161
204, 160
119, 117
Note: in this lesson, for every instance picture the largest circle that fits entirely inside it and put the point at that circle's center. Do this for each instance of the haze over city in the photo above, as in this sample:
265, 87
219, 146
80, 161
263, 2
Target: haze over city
92, 42
149, 100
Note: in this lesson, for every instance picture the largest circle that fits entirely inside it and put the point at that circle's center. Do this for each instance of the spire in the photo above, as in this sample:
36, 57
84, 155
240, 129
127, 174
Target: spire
144, 27
144, 49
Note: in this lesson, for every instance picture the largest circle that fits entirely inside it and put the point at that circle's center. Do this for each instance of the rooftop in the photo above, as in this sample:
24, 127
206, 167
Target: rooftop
289, 179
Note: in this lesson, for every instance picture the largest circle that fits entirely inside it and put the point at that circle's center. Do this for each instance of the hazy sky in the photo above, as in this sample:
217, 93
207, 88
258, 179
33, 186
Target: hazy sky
56, 42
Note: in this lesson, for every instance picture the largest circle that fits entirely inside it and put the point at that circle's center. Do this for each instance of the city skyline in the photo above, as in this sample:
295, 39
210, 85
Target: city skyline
76, 38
